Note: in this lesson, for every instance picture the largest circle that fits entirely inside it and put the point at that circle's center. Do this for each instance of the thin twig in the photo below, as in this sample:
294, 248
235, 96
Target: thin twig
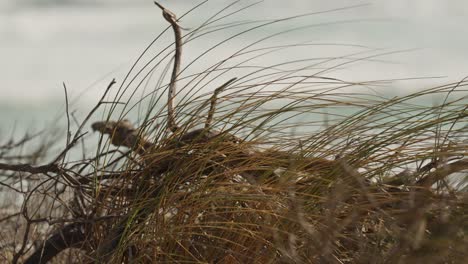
52, 166
20, 252
8, 217
78, 134
11, 144
109, 86
67, 113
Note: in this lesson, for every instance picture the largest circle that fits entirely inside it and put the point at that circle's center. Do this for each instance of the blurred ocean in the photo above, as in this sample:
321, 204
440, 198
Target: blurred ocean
85, 43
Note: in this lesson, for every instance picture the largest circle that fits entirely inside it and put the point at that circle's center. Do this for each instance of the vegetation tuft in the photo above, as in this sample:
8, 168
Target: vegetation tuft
252, 172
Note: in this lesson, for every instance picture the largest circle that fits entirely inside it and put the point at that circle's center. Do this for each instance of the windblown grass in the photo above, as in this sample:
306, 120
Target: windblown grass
383, 180
372, 187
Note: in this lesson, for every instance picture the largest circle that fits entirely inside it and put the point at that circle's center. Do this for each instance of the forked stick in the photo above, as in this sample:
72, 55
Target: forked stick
171, 18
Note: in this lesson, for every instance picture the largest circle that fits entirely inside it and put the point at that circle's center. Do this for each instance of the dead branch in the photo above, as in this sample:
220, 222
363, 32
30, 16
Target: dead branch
171, 18
70, 236
52, 167
442, 172
213, 99
78, 134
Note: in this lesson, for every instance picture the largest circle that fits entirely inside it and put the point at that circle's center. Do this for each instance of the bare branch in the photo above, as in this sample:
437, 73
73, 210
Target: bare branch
71, 236
171, 18
213, 99
78, 134
444, 171
30, 169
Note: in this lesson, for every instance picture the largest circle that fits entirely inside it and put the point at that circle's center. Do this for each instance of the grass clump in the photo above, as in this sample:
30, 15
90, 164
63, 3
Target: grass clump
252, 174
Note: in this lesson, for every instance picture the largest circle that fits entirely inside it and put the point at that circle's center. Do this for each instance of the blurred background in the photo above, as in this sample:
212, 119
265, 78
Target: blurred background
84, 43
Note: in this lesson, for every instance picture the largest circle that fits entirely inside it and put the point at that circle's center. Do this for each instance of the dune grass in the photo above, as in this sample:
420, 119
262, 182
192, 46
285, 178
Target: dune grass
252, 171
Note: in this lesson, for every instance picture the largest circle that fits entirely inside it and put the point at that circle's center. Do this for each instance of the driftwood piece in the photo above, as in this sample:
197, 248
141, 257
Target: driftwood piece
70, 236
171, 18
